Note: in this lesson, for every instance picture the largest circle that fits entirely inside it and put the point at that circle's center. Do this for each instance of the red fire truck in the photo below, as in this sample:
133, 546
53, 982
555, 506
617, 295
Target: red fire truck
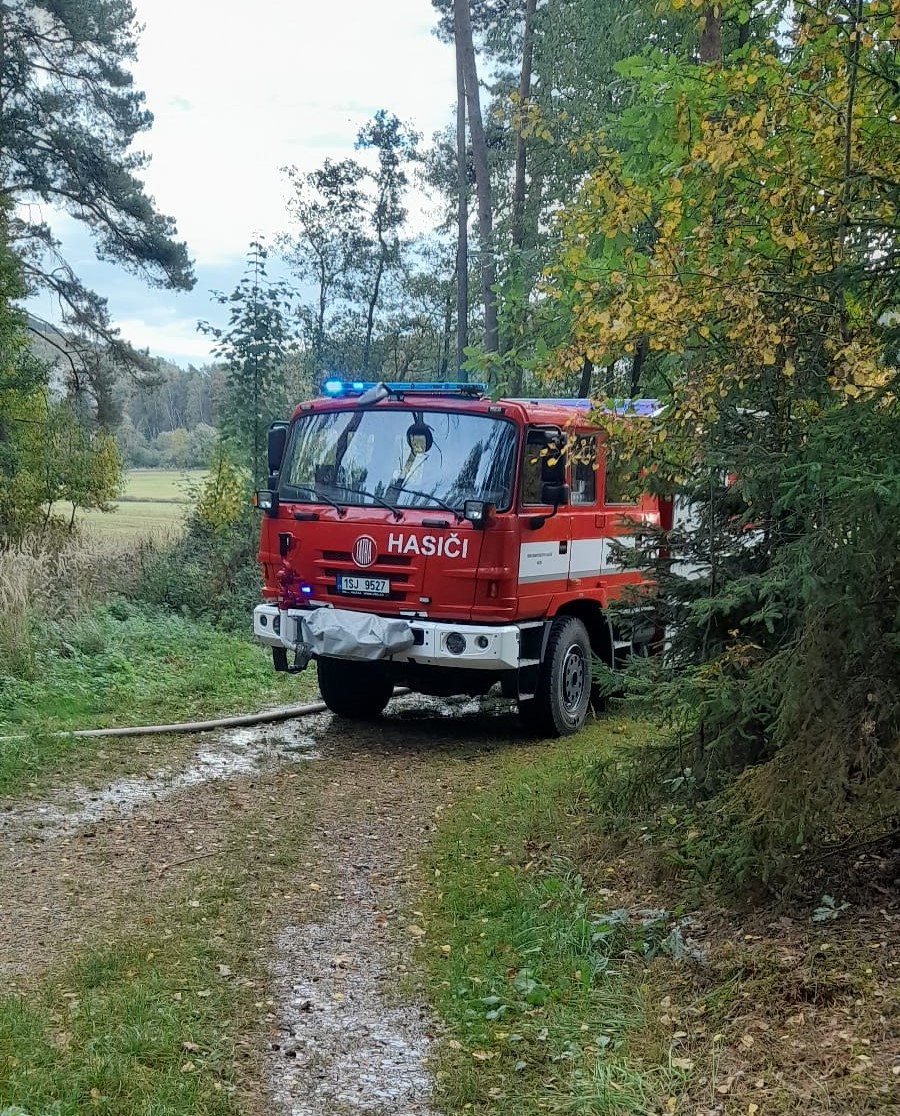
425, 535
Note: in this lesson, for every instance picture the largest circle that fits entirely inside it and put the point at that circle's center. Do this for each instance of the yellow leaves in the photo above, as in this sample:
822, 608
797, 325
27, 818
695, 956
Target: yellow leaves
768, 356
483, 1055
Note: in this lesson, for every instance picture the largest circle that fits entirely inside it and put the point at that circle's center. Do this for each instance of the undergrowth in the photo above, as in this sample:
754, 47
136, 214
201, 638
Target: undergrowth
567, 981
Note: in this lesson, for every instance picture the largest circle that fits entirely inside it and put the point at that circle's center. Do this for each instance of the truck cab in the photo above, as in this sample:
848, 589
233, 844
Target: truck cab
427, 536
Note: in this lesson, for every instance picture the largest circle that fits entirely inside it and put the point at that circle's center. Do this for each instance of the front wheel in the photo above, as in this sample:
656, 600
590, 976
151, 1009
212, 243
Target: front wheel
357, 690
563, 693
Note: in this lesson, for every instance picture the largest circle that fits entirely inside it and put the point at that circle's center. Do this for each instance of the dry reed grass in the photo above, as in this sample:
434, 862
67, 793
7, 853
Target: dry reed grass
43, 577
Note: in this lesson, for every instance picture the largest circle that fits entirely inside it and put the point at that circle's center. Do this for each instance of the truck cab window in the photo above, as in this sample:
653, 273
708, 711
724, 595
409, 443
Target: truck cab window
543, 462
584, 470
616, 489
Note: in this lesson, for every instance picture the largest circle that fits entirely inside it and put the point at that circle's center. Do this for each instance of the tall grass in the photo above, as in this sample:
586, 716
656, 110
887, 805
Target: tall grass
43, 577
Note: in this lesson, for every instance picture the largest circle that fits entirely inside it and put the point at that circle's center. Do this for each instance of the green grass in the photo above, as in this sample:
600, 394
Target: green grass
541, 986
124, 665
147, 1024
152, 505
141, 520
110, 1038
172, 485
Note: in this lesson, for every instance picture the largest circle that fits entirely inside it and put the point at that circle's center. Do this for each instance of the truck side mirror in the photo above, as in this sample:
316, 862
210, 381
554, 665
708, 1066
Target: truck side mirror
551, 493
276, 441
555, 494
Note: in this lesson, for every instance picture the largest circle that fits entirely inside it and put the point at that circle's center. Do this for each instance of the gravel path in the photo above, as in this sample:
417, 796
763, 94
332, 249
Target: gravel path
348, 1043
349, 1033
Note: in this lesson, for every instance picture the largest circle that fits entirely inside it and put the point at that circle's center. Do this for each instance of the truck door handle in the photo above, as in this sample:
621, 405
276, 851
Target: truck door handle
564, 546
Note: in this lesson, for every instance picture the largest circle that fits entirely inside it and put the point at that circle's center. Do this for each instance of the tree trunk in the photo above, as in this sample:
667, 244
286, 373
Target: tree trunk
373, 301
444, 351
637, 365
518, 199
517, 227
462, 234
463, 33
587, 371
711, 37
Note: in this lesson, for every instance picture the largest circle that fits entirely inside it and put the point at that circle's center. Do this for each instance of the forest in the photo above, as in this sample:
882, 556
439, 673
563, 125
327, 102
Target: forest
672, 199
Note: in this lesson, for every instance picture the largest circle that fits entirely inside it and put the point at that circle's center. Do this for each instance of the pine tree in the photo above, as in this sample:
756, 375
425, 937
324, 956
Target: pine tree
68, 115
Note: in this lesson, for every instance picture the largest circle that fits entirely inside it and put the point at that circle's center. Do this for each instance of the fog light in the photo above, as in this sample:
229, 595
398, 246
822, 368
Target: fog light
481, 642
455, 643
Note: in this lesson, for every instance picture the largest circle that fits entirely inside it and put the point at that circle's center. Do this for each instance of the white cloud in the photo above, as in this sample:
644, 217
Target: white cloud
239, 91
175, 339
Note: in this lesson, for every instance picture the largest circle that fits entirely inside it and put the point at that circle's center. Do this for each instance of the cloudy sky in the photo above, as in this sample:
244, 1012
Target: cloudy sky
239, 91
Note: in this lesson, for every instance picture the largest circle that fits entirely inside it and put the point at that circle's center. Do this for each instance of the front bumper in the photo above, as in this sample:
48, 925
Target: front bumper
486, 647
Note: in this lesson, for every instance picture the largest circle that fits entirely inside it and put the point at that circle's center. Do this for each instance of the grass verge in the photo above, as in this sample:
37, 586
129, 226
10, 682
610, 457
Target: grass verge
568, 980
168, 1018
539, 981
126, 665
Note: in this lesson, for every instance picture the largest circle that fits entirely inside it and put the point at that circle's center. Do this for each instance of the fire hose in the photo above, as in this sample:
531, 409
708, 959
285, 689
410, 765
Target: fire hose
243, 720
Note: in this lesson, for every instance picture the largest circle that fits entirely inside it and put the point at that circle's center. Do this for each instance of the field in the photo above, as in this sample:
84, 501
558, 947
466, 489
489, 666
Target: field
153, 504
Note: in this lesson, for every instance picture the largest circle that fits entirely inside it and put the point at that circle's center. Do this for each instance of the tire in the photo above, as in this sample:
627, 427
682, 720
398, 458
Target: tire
359, 691
560, 705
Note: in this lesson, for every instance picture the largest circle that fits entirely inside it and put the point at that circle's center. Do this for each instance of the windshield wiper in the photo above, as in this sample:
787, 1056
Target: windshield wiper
398, 514
341, 510
430, 496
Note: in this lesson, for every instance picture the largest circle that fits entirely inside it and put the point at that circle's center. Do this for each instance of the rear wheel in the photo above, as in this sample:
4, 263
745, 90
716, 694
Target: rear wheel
351, 689
564, 687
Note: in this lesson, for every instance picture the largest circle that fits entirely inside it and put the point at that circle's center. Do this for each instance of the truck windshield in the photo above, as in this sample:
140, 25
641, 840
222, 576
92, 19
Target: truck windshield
407, 459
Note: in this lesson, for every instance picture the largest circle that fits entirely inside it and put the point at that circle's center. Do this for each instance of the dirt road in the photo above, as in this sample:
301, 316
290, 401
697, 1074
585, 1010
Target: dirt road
346, 1031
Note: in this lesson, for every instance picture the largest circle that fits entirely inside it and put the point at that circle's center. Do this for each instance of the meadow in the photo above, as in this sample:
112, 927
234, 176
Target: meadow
152, 505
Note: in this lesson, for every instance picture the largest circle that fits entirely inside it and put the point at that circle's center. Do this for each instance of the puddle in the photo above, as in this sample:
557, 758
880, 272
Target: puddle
344, 1047
423, 707
227, 754
235, 752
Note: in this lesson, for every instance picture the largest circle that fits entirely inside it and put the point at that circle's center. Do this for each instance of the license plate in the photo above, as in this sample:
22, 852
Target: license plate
363, 586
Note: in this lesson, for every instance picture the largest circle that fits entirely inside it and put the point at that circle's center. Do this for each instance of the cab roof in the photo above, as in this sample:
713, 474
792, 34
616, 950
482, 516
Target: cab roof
468, 397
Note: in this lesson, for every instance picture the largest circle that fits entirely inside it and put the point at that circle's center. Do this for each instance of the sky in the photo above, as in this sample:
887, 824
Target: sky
239, 91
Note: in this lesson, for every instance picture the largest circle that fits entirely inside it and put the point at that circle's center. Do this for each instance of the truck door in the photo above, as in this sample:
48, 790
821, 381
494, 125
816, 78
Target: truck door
546, 533
586, 551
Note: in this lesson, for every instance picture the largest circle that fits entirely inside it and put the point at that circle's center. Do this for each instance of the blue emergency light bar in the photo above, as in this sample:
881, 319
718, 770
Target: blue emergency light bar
336, 389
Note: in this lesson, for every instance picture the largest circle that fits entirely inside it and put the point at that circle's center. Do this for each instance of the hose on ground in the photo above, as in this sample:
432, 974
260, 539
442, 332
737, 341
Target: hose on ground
243, 720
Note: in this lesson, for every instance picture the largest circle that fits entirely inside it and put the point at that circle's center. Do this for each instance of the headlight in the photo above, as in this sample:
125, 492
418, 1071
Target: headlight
455, 643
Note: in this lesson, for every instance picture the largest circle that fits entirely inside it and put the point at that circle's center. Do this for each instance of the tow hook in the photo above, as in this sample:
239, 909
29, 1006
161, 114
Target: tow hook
302, 655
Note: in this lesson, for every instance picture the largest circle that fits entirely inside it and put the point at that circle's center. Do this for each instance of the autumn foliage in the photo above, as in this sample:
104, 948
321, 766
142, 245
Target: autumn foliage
740, 232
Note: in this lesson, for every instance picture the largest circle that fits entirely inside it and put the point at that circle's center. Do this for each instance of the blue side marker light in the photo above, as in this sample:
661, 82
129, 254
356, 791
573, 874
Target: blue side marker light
305, 588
